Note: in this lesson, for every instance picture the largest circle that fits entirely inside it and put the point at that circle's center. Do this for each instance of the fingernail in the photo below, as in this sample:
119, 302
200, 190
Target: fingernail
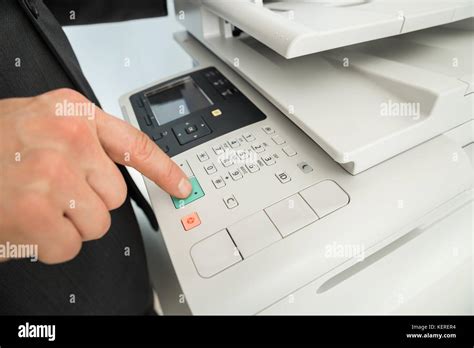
185, 187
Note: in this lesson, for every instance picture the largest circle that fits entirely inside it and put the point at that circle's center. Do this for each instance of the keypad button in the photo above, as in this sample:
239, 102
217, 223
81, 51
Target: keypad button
289, 151
218, 150
234, 143
252, 167
242, 154
249, 137
230, 201
268, 160
283, 177
258, 148
202, 156
218, 182
210, 168
268, 130
226, 161
226, 147
278, 140
235, 174
183, 134
190, 221
191, 129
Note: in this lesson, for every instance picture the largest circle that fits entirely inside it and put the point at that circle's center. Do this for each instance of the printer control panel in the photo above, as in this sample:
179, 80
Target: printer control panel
191, 109
227, 169
255, 179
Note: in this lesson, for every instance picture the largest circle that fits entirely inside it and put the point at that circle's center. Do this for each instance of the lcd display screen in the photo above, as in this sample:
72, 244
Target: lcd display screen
176, 100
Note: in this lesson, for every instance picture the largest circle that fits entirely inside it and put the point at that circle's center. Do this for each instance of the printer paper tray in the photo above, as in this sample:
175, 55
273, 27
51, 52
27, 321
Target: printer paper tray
295, 28
369, 102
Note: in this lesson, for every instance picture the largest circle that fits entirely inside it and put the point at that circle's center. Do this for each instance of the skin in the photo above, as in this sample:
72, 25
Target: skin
58, 179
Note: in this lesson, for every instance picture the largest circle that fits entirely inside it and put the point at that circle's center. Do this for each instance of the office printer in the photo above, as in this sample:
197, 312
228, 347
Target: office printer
318, 136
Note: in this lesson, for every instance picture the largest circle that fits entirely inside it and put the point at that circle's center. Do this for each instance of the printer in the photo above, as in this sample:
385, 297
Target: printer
317, 135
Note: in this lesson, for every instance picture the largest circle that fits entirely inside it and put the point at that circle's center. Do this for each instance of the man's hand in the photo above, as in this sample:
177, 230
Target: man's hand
58, 179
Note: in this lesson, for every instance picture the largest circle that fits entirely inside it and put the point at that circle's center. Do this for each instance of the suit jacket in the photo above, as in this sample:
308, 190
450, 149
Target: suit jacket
36, 55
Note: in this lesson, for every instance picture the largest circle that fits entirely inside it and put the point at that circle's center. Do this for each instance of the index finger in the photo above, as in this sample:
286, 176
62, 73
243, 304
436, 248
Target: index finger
128, 146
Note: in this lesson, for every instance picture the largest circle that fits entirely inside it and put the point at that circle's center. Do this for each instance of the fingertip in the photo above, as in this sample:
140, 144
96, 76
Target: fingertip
184, 188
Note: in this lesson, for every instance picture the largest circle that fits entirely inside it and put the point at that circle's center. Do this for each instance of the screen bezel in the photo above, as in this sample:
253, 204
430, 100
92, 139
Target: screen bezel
170, 85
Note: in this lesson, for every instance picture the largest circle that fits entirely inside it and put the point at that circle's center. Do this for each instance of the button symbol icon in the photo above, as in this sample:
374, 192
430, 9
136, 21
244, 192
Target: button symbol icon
283, 177
230, 202
190, 221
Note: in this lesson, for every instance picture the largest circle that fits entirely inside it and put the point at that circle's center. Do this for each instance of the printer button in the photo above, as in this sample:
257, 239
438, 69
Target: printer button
214, 254
289, 151
210, 168
202, 156
269, 160
230, 201
283, 177
291, 214
325, 197
190, 221
258, 148
268, 130
196, 193
278, 140
218, 182
253, 233
249, 137
218, 150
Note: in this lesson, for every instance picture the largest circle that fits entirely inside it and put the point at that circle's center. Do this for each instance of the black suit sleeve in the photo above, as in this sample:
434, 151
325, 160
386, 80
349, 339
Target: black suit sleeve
72, 12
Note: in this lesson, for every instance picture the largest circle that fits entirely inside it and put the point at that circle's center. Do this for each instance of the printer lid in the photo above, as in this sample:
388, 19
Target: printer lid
294, 28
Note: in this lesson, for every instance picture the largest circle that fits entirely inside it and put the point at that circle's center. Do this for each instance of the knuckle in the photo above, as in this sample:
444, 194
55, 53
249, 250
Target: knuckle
34, 205
119, 197
60, 252
102, 224
51, 166
65, 93
143, 149
76, 131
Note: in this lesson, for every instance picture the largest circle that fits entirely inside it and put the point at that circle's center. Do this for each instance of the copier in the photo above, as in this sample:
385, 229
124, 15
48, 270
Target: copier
316, 135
